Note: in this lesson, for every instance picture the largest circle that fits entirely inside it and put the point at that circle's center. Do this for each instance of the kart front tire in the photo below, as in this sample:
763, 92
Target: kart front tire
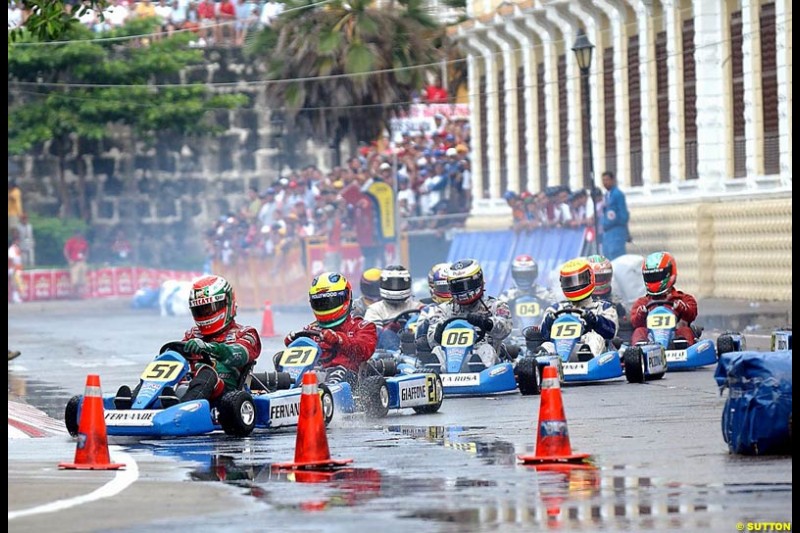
725, 344
634, 365
432, 407
374, 396
71, 415
328, 407
528, 378
237, 413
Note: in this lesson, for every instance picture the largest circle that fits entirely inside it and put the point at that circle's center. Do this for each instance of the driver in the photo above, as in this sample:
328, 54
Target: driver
346, 341
466, 283
524, 272
370, 291
231, 346
600, 317
440, 294
603, 274
660, 271
395, 289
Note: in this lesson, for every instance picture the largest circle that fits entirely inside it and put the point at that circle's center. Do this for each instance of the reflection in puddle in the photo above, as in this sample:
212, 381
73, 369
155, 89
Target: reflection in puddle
495, 452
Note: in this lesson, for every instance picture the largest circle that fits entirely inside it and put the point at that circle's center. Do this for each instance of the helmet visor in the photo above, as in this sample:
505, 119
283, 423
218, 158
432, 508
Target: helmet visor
461, 286
602, 278
657, 275
395, 284
576, 282
524, 279
205, 307
328, 301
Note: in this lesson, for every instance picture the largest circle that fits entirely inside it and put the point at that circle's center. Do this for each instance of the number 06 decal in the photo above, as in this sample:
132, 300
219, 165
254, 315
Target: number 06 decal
458, 337
162, 371
298, 356
567, 330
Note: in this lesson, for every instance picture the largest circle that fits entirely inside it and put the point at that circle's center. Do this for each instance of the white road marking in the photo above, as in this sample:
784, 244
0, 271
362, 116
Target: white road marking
122, 480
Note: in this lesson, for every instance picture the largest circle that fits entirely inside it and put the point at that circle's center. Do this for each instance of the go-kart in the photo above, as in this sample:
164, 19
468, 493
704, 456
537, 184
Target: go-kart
236, 412
661, 325
781, 340
464, 374
527, 311
579, 364
381, 386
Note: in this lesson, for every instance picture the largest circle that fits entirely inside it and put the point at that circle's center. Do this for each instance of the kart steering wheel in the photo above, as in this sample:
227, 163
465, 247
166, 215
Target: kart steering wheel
479, 334
402, 318
569, 311
180, 347
655, 303
313, 334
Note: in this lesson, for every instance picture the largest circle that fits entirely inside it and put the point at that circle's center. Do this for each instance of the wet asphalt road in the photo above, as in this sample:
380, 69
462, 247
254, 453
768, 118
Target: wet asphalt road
661, 461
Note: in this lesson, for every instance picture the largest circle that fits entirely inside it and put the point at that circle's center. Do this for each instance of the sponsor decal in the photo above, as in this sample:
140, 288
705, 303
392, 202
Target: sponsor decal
576, 368
461, 380
289, 410
413, 393
497, 370
130, 417
553, 428
654, 361
605, 358
677, 355
190, 407
703, 347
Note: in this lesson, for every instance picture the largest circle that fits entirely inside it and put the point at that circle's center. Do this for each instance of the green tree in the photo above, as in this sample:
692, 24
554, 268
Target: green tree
368, 55
51, 19
77, 91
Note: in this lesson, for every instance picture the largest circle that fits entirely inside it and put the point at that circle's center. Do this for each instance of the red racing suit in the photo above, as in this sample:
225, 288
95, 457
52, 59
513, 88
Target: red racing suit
245, 344
358, 340
686, 314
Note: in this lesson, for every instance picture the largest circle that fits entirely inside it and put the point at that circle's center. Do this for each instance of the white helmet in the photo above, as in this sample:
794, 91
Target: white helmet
395, 284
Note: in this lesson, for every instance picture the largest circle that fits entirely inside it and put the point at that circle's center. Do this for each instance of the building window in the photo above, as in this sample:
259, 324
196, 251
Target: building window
689, 100
483, 117
521, 131
563, 138
501, 148
662, 106
635, 111
610, 130
737, 78
769, 90
542, 124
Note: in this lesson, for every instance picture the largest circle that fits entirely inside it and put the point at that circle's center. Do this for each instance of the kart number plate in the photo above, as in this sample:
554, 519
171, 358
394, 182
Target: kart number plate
461, 380
566, 330
458, 337
298, 356
575, 368
528, 309
676, 355
661, 321
130, 417
162, 371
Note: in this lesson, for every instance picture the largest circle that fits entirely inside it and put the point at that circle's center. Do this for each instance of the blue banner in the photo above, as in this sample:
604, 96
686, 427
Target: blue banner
496, 249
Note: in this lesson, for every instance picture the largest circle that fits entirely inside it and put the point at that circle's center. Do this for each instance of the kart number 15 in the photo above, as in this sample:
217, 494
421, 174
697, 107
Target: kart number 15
161, 371
298, 356
457, 337
566, 330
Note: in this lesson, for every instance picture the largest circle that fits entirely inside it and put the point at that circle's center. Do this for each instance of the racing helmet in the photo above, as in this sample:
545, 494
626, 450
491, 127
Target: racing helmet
603, 272
330, 297
659, 271
466, 281
371, 284
212, 303
395, 284
524, 271
577, 280
437, 283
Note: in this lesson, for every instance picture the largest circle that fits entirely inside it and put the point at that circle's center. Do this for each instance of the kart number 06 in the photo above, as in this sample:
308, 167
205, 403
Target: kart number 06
161, 371
457, 337
298, 356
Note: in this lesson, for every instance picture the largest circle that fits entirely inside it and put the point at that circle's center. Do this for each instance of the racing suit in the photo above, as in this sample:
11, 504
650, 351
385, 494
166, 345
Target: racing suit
357, 341
360, 306
239, 345
600, 318
382, 312
537, 292
684, 305
490, 308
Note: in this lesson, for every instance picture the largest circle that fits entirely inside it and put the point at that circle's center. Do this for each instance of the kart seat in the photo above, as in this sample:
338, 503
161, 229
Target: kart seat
408, 344
678, 344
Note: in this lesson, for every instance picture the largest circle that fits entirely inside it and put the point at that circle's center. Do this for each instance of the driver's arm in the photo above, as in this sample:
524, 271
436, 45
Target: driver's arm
437, 316
359, 346
372, 313
639, 313
607, 321
547, 322
501, 320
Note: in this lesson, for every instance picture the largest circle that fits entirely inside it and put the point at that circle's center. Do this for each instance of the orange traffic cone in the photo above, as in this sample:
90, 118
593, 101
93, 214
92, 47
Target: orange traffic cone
92, 450
311, 450
267, 327
552, 439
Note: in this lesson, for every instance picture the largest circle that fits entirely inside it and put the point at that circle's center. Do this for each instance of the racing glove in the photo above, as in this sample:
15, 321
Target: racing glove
590, 319
196, 346
437, 334
481, 321
680, 307
229, 354
330, 338
393, 326
290, 337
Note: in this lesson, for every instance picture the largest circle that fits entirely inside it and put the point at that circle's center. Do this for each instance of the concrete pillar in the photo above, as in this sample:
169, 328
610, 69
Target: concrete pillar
509, 152
617, 17
473, 86
783, 31
753, 97
673, 23
490, 65
592, 18
714, 98
648, 92
549, 36
568, 26
526, 43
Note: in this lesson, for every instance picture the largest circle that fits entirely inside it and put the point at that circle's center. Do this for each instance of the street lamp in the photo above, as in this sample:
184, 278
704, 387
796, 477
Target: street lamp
583, 48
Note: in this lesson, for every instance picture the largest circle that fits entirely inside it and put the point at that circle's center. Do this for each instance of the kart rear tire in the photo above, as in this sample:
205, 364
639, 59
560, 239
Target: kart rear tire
529, 379
328, 406
655, 377
237, 413
71, 415
274, 381
432, 407
725, 344
373, 396
634, 365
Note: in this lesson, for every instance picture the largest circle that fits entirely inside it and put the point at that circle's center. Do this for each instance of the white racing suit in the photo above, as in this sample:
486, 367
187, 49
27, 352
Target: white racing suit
381, 312
597, 334
488, 306
537, 291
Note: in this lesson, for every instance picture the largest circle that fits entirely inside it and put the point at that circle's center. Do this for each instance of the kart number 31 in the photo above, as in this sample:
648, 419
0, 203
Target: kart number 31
661, 321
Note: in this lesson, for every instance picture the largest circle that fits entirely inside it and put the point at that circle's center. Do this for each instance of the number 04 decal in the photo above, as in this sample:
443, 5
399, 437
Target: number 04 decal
298, 356
566, 330
161, 371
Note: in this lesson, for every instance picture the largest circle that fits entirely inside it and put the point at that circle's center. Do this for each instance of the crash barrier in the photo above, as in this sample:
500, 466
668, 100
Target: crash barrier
757, 416
108, 282
733, 247
496, 249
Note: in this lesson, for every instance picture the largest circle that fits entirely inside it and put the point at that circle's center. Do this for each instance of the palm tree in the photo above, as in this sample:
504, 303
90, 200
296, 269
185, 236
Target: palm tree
370, 60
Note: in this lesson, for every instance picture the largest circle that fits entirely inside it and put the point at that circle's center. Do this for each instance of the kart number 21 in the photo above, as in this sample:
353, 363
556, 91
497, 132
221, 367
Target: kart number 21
162, 371
298, 356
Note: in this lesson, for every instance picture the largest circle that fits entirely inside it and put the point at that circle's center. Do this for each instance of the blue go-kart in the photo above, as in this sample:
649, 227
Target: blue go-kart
527, 311
579, 364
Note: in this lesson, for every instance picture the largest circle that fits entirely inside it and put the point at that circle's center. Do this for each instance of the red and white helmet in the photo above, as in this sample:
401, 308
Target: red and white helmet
212, 303
524, 271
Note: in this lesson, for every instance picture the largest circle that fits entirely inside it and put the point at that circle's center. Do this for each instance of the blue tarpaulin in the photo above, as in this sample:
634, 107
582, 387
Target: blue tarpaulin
496, 249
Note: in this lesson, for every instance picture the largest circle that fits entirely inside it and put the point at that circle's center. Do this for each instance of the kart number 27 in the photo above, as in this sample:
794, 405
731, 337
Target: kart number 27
162, 371
298, 356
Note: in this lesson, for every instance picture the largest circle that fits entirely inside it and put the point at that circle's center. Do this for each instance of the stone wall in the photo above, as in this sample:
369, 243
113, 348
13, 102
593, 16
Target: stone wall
179, 186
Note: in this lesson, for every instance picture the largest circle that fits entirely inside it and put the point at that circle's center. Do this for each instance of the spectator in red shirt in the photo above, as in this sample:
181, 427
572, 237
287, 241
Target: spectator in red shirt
76, 252
207, 16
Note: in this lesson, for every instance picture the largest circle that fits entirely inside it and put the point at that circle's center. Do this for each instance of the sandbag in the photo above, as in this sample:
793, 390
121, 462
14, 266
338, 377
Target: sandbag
757, 416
